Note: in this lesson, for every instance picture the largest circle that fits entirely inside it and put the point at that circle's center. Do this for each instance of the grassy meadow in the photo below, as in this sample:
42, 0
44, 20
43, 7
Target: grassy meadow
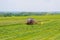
14, 28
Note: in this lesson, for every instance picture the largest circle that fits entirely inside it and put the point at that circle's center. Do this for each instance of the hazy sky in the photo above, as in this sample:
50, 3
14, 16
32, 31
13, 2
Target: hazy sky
30, 5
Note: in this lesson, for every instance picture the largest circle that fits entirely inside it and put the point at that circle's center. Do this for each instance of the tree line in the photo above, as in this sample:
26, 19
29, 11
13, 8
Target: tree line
6, 14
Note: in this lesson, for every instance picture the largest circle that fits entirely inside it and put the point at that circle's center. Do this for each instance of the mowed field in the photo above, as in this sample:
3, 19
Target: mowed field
14, 28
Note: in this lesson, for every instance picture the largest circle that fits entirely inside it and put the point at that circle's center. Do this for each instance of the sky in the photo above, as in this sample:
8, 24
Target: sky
30, 5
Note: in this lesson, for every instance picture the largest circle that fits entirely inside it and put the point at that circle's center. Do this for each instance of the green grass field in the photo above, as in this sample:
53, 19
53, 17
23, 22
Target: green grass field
14, 28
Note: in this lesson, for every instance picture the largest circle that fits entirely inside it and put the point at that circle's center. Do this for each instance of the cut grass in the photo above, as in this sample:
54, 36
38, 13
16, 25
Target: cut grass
14, 28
